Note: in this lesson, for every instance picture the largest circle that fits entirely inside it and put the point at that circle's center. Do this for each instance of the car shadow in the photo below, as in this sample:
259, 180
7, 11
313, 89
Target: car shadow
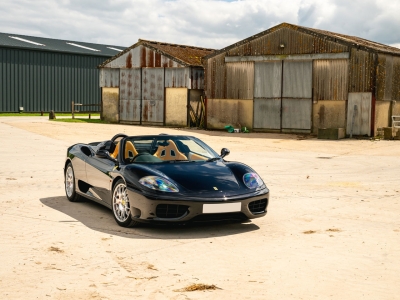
97, 217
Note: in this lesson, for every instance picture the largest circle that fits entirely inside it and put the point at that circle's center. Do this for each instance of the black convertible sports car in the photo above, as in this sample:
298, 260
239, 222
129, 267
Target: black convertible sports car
163, 178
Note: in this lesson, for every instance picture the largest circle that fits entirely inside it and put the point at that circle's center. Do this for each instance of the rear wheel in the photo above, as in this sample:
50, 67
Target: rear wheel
121, 205
69, 179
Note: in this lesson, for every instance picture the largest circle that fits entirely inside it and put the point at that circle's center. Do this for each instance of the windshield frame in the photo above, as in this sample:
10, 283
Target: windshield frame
156, 139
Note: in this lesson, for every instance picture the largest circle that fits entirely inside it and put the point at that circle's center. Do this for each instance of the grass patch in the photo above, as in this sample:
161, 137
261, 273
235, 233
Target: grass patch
309, 232
78, 120
28, 114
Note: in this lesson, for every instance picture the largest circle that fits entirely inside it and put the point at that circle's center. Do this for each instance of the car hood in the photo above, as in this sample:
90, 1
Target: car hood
200, 177
203, 179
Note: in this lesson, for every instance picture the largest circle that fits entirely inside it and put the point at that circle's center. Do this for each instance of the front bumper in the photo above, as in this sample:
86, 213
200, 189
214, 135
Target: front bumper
144, 209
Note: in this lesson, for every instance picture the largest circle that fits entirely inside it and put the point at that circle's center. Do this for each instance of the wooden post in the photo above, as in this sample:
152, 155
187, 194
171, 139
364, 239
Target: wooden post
72, 109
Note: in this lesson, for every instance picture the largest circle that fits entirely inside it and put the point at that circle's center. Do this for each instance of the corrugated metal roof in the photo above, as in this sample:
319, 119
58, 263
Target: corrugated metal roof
343, 39
10, 40
183, 54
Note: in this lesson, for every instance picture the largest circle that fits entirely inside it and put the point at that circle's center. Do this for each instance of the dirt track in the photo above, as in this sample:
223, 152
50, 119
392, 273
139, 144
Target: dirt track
332, 230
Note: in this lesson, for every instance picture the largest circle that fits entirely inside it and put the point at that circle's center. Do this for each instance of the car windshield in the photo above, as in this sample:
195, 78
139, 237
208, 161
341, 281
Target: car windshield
165, 148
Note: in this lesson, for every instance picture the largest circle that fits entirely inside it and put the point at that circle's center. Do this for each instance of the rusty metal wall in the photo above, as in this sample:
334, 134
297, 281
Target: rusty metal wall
109, 77
216, 77
130, 95
361, 69
388, 77
330, 79
294, 42
142, 56
396, 79
196, 78
152, 95
240, 80
177, 77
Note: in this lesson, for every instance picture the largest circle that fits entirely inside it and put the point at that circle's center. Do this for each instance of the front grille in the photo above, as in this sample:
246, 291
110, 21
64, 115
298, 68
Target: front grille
258, 206
171, 211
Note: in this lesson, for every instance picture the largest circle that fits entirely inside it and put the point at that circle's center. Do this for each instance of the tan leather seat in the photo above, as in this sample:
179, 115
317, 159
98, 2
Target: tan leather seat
129, 147
169, 152
115, 152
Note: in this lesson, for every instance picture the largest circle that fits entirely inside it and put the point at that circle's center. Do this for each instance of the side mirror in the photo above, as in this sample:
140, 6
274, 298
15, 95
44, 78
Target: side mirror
105, 154
224, 152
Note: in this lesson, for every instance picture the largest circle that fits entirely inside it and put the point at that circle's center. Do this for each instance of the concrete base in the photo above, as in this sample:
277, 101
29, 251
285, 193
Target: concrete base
331, 133
387, 133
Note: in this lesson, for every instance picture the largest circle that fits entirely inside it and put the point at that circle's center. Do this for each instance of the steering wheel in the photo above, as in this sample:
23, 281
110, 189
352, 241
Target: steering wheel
118, 136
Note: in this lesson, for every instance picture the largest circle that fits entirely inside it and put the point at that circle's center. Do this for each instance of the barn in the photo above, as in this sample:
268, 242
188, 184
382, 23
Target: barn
41, 74
152, 83
291, 78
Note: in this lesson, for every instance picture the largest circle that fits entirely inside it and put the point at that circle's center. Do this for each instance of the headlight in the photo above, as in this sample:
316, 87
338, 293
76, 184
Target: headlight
252, 180
158, 184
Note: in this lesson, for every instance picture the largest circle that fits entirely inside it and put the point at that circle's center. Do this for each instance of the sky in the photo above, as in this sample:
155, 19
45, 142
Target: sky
204, 23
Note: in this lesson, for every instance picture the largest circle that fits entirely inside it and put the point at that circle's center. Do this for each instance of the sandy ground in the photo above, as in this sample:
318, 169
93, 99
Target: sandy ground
332, 230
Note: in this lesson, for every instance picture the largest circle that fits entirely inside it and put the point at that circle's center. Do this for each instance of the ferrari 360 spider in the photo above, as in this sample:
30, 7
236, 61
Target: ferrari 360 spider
163, 179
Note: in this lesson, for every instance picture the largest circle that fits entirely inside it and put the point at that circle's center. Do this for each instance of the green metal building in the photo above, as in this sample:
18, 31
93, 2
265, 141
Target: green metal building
41, 74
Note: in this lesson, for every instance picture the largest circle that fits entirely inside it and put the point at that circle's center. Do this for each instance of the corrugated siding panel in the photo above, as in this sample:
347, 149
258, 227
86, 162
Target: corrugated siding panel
216, 77
177, 77
130, 95
295, 43
240, 80
267, 113
196, 78
142, 56
267, 79
362, 116
330, 79
361, 68
130, 84
153, 84
396, 79
152, 95
297, 79
47, 81
383, 82
109, 77
296, 113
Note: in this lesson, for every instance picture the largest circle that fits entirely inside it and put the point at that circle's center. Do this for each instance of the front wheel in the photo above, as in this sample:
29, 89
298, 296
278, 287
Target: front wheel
69, 179
121, 206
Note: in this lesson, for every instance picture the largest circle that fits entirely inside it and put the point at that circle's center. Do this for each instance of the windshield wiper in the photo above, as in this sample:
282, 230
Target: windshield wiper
213, 158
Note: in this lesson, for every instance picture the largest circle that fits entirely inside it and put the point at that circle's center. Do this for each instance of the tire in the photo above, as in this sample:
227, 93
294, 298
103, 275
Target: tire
69, 184
121, 206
